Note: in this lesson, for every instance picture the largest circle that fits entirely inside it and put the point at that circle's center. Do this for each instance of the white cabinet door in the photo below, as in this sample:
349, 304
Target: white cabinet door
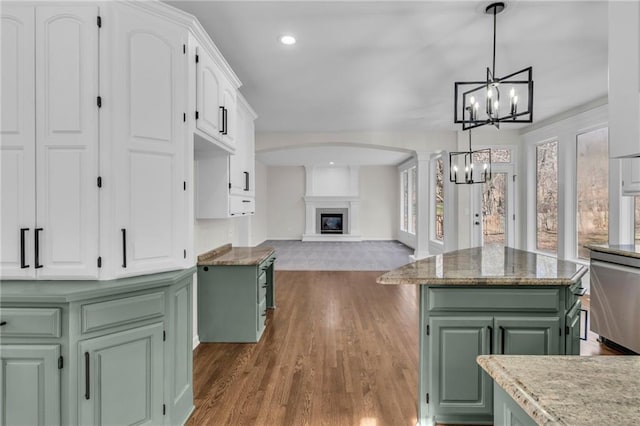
17, 142
228, 102
67, 141
630, 176
148, 137
237, 161
208, 94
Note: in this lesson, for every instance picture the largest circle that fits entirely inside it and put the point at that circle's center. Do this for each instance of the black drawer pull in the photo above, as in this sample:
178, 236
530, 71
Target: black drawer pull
246, 181
124, 247
23, 255
37, 248
490, 339
586, 324
246, 201
265, 286
87, 378
580, 291
264, 313
3, 323
502, 340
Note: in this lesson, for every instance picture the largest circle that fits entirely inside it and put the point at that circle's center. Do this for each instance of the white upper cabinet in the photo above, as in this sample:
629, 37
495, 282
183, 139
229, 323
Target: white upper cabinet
215, 98
54, 124
624, 79
148, 142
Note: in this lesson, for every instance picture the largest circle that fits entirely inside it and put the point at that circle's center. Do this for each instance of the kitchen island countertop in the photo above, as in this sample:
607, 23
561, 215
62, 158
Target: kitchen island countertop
570, 390
489, 265
228, 255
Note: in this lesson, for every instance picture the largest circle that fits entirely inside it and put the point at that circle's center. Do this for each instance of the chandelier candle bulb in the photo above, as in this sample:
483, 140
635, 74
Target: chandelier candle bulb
514, 105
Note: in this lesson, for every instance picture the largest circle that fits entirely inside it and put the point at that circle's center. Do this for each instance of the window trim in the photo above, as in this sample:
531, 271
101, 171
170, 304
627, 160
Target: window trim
433, 241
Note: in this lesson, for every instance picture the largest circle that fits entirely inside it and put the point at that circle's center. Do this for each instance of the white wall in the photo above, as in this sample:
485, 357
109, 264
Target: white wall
379, 202
285, 207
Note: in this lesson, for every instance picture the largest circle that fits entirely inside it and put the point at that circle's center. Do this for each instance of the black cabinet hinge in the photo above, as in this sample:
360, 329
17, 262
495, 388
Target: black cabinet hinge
99, 261
60, 362
99, 101
197, 59
184, 117
197, 115
184, 49
184, 185
164, 409
185, 253
560, 331
427, 398
99, 181
99, 22
229, 185
428, 330
566, 330
164, 336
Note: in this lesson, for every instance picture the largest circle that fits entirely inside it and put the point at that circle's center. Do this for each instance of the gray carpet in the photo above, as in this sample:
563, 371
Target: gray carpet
295, 255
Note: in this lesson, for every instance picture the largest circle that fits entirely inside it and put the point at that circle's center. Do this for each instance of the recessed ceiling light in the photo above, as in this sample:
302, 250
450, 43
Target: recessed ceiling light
288, 40
331, 163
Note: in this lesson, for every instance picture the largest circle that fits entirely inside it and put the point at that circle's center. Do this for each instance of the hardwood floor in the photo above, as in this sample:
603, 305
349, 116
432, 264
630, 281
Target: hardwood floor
338, 350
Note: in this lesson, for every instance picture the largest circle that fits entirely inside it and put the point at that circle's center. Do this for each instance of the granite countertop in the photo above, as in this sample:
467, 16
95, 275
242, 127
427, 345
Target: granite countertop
241, 256
570, 390
489, 265
628, 250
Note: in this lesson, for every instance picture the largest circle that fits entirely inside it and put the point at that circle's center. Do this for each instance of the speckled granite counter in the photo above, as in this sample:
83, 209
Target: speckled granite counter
492, 265
570, 390
228, 255
628, 250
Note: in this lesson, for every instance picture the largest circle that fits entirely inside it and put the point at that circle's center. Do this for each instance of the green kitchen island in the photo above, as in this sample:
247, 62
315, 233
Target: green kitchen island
483, 301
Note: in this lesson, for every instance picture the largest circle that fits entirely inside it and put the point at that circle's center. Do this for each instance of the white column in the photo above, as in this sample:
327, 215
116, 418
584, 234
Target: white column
422, 221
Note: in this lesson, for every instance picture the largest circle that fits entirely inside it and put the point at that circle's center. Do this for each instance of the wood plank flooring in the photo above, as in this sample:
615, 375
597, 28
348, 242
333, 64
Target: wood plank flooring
338, 350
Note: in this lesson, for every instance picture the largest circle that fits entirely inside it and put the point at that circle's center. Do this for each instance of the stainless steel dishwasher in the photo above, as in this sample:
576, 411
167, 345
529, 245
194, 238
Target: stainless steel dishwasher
615, 298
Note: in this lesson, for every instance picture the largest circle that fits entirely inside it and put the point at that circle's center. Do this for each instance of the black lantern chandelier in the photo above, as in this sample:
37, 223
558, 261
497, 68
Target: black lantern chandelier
478, 103
467, 167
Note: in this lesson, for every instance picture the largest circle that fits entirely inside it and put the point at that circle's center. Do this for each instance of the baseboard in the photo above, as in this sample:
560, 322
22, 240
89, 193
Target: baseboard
284, 238
196, 341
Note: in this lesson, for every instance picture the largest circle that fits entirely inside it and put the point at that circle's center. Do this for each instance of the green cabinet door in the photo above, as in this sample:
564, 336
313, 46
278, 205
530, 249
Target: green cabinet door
29, 385
527, 335
180, 357
121, 378
572, 337
459, 386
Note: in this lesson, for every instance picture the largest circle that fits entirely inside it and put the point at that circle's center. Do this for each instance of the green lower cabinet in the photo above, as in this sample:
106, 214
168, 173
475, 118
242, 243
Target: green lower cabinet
179, 361
459, 386
121, 377
507, 412
572, 338
30, 391
527, 336
458, 323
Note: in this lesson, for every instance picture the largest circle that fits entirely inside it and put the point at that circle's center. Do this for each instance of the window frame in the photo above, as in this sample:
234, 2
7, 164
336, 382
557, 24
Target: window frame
433, 241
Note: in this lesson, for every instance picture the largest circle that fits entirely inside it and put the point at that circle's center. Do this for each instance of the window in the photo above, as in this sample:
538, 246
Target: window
439, 200
547, 196
637, 219
592, 177
409, 205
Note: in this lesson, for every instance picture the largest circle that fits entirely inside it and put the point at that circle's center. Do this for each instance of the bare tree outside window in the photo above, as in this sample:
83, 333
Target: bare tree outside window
414, 199
547, 196
405, 200
439, 201
592, 176
494, 205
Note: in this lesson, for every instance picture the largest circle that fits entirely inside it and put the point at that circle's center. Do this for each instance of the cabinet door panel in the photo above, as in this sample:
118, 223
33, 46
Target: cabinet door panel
181, 335
17, 139
67, 140
148, 143
459, 385
30, 391
126, 376
207, 95
528, 336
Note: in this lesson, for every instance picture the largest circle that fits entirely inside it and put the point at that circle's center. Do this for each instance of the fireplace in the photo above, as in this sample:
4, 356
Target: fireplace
331, 223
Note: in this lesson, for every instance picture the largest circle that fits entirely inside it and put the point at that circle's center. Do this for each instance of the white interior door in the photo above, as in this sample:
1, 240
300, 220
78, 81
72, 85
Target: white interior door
493, 215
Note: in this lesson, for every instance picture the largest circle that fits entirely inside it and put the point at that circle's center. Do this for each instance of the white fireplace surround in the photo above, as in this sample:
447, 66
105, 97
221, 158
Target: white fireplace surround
351, 204
332, 188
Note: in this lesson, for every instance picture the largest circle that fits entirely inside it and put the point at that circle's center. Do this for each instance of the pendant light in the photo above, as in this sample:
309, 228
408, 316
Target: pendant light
469, 167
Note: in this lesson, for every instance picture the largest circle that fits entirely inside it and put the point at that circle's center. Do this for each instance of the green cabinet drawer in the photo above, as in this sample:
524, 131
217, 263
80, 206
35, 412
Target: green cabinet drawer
262, 316
573, 293
30, 322
97, 316
493, 299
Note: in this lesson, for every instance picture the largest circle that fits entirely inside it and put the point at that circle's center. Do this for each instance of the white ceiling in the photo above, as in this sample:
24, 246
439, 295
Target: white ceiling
339, 154
391, 65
